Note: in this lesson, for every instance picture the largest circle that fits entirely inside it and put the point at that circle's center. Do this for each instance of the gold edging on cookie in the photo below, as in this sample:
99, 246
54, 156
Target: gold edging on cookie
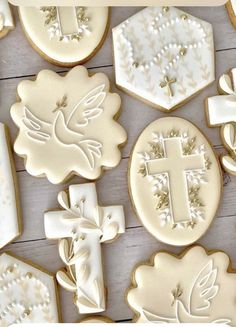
129, 187
155, 106
72, 174
43, 270
16, 187
179, 256
231, 14
8, 29
67, 64
101, 318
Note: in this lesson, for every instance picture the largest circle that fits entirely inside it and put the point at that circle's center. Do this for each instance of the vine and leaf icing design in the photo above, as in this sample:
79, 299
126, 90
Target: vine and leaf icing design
54, 25
161, 188
195, 306
82, 275
71, 131
23, 297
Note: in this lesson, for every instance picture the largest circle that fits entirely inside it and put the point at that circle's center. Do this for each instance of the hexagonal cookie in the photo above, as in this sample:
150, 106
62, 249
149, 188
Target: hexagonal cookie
27, 294
164, 56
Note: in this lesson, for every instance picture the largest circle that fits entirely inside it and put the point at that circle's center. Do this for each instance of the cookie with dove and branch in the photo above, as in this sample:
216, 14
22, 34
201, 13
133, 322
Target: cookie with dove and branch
164, 56
67, 125
197, 286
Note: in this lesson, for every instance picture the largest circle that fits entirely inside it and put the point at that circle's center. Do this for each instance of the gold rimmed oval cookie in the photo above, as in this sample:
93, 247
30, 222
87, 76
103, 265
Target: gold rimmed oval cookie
65, 36
175, 181
189, 288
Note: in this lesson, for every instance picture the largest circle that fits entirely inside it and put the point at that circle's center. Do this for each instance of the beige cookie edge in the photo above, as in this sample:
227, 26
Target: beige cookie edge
104, 319
231, 14
72, 174
66, 64
129, 183
150, 262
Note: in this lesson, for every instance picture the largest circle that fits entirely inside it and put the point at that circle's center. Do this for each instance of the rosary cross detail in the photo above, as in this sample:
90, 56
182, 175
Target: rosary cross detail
81, 228
167, 83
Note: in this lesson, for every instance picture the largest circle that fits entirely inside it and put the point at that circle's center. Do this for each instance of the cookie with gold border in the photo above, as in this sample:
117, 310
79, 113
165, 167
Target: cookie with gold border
164, 56
175, 181
197, 286
231, 8
6, 19
10, 216
96, 320
67, 125
65, 36
28, 293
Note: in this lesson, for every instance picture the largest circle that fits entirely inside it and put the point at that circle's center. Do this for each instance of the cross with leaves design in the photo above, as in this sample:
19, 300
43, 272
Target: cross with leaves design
81, 228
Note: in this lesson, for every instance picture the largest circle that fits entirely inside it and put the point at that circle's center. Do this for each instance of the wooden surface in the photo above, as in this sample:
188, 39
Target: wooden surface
19, 61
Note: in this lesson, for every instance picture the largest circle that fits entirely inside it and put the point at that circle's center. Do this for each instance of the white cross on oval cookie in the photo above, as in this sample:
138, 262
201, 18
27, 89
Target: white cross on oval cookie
175, 181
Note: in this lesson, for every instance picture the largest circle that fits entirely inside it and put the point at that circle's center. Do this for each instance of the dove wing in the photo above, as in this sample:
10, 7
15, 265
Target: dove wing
156, 319
37, 129
88, 108
204, 288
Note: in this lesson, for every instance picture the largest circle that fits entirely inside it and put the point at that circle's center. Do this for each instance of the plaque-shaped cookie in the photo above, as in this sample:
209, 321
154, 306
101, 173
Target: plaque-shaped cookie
67, 125
195, 287
175, 181
163, 56
65, 36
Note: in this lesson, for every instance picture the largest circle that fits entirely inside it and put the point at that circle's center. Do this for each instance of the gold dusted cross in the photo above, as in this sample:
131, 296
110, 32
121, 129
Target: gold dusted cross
167, 83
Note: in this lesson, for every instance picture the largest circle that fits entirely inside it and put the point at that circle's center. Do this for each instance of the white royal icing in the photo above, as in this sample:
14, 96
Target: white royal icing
233, 4
164, 55
9, 220
6, 16
27, 294
221, 109
81, 228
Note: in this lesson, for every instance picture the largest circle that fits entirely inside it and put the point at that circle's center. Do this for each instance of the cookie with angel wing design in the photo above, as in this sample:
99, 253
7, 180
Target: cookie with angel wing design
189, 288
6, 19
163, 56
66, 36
67, 125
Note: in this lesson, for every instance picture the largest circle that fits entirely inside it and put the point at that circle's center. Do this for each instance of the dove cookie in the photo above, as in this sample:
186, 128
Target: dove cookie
82, 227
163, 56
221, 111
27, 294
67, 125
65, 36
6, 19
175, 181
189, 288
10, 220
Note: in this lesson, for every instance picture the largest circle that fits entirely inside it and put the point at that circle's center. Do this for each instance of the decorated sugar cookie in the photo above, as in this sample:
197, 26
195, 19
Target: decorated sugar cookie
194, 287
231, 7
10, 224
6, 19
96, 320
163, 56
175, 181
82, 227
27, 294
65, 36
221, 111
66, 125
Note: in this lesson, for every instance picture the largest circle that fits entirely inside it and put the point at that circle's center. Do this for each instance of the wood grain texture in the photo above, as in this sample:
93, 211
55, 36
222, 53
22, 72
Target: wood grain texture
19, 61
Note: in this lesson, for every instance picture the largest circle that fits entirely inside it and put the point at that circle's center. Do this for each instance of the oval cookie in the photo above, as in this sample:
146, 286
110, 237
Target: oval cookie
189, 288
175, 181
96, 320
66, 125
65, 36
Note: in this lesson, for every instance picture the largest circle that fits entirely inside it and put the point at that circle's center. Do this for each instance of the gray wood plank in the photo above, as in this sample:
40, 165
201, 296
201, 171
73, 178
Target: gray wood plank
120, 257
17, 58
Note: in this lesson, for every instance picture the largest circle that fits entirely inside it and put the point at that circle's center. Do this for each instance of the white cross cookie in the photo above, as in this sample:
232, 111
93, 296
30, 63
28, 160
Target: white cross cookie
81, 228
